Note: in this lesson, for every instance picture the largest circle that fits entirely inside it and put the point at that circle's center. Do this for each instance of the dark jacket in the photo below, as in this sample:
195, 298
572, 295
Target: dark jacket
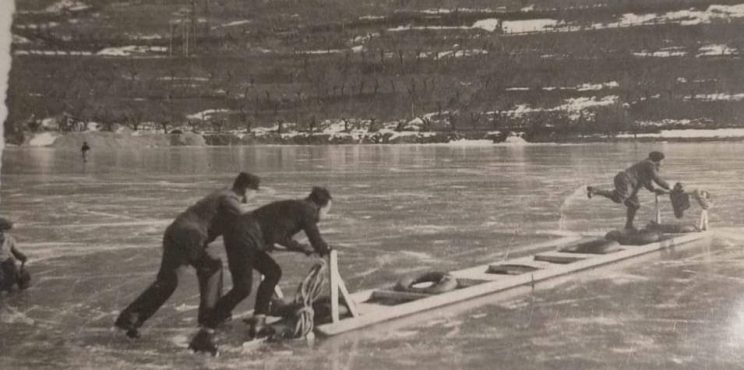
212, 214
645, 173
279, 221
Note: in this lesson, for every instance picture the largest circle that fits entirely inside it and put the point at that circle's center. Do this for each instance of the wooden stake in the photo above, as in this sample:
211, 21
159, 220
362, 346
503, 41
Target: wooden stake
658, 210
337, 285
703, 223
333, 279
347, 297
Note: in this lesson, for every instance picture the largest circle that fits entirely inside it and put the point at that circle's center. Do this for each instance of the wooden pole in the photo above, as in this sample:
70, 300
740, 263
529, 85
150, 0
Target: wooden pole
347, 297
338, 285
658, 210
703, 224
333, 279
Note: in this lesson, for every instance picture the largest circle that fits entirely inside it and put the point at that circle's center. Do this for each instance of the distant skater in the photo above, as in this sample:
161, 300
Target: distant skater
85, 149
629, 182
184, 244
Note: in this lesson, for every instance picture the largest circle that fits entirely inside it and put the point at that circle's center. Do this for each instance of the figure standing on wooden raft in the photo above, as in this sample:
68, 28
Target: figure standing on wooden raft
627, 184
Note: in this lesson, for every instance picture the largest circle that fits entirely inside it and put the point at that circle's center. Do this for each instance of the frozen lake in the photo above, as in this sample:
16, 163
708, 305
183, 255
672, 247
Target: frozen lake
93, 232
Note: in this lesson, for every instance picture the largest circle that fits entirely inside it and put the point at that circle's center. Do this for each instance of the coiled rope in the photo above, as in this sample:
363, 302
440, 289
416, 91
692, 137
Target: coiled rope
703, 198
307, 293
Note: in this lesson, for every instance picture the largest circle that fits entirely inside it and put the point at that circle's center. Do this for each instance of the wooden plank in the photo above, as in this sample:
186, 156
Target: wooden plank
510, 269
333, 279
658, 210
350, 304
502, 285
466, 282
563, 257
398, 296
480, 276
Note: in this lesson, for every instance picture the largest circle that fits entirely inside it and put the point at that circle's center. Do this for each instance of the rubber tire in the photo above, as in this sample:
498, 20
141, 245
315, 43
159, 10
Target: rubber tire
442, 282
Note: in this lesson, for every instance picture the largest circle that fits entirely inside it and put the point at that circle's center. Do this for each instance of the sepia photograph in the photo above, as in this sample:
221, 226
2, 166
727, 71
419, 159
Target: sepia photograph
372, 184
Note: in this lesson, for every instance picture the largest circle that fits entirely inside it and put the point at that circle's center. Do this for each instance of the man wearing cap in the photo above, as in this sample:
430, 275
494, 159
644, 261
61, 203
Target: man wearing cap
630, 181
251, 240
9, 273
184, 244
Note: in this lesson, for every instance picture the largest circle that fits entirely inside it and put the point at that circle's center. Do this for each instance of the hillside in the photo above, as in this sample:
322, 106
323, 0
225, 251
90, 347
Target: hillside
548, 68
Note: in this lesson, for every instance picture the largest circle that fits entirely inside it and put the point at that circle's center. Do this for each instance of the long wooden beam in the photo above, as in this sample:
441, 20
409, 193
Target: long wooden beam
374, 314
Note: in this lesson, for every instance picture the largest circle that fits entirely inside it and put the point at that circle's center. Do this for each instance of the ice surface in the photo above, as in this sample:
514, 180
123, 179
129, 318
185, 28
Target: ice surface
93, 233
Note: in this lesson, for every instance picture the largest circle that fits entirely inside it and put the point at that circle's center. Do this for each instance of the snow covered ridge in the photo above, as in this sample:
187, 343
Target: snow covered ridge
674, 51
716, 50
573, 106
716, 97
582, 87
711, 50
206, 114
692, 134
59, 7
67, 5
683, 17
52, 52
43, 139
20, 40
34, 26
131, 50
234, 23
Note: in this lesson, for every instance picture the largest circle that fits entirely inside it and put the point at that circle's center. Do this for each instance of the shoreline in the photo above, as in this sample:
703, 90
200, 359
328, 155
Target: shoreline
129, 139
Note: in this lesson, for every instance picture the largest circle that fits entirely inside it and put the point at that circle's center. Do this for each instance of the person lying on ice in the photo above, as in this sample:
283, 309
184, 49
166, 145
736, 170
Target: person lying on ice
10, 275
185, 243
630, 181
248, 246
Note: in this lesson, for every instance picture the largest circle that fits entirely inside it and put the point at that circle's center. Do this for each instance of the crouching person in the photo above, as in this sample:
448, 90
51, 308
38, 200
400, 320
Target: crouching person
10, 274
252, 239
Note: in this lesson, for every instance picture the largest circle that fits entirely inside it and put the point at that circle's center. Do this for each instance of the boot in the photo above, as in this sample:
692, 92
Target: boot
204, 342
259, 328
129, 325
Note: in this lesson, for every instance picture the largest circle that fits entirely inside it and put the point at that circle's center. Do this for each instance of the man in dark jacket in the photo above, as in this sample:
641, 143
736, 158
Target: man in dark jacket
253, 236
184, 243
627, 184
